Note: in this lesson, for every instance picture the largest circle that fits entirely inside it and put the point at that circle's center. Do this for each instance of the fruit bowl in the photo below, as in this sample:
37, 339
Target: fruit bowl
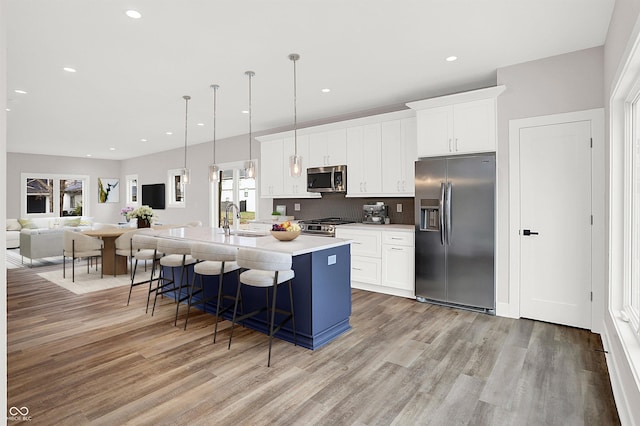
285, 235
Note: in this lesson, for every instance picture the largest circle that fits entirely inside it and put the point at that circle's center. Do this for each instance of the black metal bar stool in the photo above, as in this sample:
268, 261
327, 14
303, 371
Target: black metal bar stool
214, 260
144, 247
177, 254
266, 269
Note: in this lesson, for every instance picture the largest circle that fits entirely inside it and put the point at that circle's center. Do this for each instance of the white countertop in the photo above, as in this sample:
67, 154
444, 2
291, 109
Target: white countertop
371, 227
301, 245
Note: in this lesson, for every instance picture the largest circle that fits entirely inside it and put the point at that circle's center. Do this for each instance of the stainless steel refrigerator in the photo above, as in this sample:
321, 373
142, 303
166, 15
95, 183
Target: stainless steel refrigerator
455, 231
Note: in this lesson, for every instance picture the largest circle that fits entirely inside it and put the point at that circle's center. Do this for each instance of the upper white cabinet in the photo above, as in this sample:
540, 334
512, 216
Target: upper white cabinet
457, 124
328, 148
364, 160
271, 168
398, 156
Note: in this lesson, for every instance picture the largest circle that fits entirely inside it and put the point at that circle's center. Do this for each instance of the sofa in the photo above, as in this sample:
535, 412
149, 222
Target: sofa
13, 233
42, 237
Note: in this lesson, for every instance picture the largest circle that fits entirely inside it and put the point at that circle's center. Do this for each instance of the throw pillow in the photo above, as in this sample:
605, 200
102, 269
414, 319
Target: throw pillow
72, 222
27, 224
13, 225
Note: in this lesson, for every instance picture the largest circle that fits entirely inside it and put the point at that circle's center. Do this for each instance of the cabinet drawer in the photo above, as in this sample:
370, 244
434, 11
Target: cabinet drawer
364, 243
398, 238
366, 269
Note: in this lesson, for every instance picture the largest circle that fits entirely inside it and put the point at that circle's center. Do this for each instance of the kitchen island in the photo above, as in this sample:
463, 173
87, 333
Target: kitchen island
321, 287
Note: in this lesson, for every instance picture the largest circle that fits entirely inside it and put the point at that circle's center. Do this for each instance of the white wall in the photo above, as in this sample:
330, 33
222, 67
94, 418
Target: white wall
564, 83
3, 193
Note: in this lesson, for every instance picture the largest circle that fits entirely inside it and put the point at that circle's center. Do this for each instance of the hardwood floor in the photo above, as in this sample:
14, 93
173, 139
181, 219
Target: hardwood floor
90, 359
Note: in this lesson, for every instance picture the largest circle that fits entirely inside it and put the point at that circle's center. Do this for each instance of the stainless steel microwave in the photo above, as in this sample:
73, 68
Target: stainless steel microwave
327, 179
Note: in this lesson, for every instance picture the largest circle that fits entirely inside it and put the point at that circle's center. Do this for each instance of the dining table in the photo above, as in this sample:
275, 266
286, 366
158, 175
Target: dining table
110, 262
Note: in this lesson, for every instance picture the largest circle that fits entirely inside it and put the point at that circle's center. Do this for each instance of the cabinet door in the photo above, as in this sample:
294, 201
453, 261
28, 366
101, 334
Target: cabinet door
317, 149
336, 148
409, 155
392, 157
475, 126
372, 158
435, 131
398, 267
355, 165
271, 168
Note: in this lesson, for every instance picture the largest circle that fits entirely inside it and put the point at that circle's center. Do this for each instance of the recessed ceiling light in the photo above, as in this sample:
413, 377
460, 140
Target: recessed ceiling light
451, 58
326, 90
169, 133
200, 124
22, 92
245, 111
112, 149
88, 155
133, 14
69, 69
7, 109
143, 140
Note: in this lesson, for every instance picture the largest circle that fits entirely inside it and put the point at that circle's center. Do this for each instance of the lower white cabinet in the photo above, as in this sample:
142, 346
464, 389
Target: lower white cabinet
381, 260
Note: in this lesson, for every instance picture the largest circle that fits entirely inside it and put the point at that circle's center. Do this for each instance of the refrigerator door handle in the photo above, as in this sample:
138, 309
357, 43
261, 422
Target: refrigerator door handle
441, 213
448, 225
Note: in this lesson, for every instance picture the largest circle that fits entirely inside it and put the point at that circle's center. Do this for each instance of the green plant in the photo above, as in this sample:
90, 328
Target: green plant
275, 213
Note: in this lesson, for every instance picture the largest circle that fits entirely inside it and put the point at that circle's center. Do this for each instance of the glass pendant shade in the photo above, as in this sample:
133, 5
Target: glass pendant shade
186, 176
295, 166
214, 171
250, 169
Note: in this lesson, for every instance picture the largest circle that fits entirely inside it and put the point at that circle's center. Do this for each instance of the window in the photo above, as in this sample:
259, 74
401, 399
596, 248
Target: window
177, 193
54, 195
631, 305
132, 190
234, 187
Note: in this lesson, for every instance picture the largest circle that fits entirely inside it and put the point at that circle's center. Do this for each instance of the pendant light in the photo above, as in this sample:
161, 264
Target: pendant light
295, 161
250, 166
185, 172
214, 170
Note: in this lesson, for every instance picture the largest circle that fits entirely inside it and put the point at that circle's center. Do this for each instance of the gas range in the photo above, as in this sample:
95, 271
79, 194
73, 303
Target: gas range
322, 227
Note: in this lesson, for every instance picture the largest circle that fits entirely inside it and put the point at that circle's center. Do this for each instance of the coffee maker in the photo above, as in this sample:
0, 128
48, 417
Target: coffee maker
375, 214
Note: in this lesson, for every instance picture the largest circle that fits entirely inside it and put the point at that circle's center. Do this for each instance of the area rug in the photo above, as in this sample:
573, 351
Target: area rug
14, 260
85, 283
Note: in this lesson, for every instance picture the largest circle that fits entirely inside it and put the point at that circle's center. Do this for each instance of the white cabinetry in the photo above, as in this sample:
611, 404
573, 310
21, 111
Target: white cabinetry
398, 156
271, 168
457, 124
275, 180
364, 160
328, 148
381, 260
398, 260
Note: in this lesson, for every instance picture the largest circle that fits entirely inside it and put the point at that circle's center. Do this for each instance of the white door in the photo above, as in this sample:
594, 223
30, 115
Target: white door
555, 210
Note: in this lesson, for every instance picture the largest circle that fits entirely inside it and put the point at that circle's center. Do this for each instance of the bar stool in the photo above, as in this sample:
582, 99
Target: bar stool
124, 247
145, 247
177, 254
214, 260
266, 269
76, 246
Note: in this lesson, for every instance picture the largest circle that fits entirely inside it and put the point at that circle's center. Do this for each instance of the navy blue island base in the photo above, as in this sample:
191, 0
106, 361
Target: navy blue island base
321, 296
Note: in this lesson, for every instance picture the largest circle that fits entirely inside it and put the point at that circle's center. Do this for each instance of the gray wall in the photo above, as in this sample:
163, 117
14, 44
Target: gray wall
30, 163
564, 83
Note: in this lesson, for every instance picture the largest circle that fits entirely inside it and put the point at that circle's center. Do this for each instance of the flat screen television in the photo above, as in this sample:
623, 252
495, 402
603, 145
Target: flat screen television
153, 195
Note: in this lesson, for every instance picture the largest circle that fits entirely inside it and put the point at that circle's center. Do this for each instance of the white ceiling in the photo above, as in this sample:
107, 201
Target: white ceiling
131, 74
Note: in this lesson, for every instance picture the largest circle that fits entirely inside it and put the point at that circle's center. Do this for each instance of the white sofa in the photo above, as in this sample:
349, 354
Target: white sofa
42, 237
13, 233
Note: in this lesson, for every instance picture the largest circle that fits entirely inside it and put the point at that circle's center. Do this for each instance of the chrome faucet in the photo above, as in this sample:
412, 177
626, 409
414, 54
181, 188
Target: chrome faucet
225, 221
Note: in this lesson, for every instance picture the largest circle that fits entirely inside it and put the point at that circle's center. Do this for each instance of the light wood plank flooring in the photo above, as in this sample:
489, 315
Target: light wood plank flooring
89, 359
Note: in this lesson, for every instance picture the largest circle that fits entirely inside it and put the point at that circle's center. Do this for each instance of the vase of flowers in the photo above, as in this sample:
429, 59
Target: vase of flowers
144, 215
125, 212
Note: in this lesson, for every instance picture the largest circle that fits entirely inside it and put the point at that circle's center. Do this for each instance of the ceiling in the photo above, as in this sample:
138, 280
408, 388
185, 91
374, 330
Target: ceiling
131, 74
